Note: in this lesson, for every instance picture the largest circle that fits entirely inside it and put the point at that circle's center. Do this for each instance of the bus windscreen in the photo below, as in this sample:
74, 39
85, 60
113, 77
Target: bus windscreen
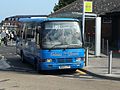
61, 35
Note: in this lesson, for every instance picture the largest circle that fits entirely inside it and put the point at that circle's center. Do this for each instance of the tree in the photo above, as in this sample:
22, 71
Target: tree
62, 3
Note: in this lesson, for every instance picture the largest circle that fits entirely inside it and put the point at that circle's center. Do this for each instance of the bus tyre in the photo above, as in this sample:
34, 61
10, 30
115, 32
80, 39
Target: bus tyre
37, 69
22, 58
36, 66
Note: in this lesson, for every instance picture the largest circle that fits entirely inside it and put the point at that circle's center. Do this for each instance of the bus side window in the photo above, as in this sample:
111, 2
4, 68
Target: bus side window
30, 33
37, 38
24, 34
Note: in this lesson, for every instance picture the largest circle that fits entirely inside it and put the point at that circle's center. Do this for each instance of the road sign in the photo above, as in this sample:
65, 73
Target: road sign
88, 6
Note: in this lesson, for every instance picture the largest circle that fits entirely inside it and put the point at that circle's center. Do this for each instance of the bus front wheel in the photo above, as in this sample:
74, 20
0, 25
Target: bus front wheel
36, 66
22, 58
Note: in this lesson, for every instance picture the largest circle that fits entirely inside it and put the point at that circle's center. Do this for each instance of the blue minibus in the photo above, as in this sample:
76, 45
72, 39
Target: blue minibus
51, 43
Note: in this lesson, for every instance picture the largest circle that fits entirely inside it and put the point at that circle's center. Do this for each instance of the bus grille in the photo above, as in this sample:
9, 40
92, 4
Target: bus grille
62, 60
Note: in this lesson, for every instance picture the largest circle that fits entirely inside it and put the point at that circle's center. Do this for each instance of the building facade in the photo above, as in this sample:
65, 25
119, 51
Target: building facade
12, 24
108, 10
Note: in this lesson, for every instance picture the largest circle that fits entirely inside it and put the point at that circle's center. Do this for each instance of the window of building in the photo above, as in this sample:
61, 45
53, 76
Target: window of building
107, 20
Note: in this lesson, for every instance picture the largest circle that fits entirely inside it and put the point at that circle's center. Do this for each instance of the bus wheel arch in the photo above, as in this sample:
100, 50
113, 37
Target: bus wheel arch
36, 65
22, 56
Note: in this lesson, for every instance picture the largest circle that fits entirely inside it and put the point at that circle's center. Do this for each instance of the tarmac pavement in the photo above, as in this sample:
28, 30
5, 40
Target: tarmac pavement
98, 66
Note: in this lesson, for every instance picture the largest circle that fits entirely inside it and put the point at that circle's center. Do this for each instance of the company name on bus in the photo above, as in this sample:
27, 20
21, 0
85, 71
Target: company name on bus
56, 54
65, 54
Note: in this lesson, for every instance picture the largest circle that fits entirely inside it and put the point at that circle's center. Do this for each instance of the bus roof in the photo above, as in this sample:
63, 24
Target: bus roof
45, 19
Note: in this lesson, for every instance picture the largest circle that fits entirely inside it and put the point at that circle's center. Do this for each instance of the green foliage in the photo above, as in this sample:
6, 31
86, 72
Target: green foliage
62, 3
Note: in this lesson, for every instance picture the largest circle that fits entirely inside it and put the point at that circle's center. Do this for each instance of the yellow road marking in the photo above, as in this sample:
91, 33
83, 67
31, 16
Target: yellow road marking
81, 72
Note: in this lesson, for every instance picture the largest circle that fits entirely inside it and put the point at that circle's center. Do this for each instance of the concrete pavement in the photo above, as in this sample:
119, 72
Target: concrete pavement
98, 66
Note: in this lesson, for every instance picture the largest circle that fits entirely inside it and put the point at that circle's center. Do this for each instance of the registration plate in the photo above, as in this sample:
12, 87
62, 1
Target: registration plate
64, 67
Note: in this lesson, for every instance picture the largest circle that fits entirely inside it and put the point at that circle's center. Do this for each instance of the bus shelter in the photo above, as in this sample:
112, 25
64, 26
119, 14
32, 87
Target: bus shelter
88, 17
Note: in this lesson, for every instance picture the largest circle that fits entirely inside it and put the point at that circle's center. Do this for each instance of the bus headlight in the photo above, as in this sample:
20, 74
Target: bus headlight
49, 60
80, 59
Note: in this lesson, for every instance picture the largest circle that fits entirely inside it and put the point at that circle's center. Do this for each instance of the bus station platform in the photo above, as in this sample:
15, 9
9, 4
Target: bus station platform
98, 66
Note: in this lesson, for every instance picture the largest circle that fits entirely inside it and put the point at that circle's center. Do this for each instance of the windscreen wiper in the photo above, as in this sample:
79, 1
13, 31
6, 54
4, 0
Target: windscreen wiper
74, 45
56, 45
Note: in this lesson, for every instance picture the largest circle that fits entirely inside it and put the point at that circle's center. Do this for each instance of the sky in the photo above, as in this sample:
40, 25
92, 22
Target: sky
25, 7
